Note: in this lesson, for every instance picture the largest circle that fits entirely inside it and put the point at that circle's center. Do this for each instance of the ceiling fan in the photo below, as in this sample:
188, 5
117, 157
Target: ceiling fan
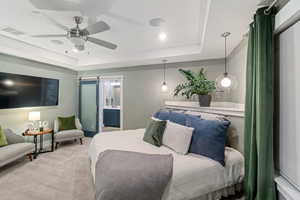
80, 36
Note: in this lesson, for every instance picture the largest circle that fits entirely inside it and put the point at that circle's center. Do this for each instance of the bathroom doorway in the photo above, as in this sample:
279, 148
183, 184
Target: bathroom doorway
111, 103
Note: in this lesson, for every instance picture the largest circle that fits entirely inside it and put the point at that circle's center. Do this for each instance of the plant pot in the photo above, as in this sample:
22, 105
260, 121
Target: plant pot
204, 100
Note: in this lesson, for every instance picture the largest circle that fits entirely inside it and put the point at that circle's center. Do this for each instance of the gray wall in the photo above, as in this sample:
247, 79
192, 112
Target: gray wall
17, 119
142, 87
237, 64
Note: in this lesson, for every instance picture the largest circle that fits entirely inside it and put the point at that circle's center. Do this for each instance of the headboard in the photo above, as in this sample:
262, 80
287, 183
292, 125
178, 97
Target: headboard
231, 111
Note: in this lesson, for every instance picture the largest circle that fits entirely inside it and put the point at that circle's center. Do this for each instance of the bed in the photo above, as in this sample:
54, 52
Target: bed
194, 177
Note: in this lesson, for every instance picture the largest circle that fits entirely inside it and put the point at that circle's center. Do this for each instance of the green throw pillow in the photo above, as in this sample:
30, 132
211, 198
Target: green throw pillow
154, 132
66, 123
3, 140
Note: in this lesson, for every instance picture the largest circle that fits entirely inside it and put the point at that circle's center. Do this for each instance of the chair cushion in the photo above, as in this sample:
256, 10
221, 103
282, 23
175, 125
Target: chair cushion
12, 151
69, 134
3, 140
13, 138
66, 123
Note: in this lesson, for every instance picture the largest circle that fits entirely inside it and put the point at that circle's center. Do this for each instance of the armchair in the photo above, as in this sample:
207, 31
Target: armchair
67, 135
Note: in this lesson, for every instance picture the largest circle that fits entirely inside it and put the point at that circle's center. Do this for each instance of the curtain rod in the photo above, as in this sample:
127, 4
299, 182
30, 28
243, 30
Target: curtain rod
271, 6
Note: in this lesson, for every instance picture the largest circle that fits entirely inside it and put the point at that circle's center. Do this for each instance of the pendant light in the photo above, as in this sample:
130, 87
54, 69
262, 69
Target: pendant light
226, 81
164, 87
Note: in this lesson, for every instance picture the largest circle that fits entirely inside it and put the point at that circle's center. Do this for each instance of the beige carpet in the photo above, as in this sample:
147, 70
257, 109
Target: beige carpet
61, 175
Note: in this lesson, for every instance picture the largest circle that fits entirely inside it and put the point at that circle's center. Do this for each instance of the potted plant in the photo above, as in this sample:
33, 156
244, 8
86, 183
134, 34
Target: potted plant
196, 84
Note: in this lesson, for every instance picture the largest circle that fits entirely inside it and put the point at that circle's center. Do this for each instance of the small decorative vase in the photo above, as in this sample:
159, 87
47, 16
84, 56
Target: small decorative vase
204, 100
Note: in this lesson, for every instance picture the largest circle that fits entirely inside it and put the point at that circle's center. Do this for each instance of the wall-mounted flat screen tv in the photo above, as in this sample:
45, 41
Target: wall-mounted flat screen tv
19, 91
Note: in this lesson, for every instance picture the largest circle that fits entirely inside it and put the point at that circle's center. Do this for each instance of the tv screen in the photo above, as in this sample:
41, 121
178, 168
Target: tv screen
18, 91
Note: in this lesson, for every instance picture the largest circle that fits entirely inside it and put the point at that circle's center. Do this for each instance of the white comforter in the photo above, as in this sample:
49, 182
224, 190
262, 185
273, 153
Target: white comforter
193, 175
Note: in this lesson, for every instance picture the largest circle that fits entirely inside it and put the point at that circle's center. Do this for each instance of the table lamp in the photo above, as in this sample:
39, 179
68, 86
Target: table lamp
35, 118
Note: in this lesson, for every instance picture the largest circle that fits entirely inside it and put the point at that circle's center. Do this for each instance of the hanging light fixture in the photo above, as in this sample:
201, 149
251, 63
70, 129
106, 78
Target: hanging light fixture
164, 87
226, 81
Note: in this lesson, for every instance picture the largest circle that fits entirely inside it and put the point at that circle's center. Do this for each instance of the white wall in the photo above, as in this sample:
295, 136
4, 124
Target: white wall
237, 65
17, 119
142, 87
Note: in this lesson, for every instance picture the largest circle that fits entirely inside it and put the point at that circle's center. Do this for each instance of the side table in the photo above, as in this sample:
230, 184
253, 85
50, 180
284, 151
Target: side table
35, 134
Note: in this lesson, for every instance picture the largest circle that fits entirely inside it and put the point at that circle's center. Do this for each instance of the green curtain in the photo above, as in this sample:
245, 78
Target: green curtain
259, 163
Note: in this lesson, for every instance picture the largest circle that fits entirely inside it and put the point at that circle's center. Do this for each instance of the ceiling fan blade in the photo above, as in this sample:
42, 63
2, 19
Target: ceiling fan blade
58, 5
97, 27
49, 35
56, 23
102, 43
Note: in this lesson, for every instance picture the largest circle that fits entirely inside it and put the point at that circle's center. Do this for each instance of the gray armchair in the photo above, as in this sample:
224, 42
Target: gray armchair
16, 148
68, 135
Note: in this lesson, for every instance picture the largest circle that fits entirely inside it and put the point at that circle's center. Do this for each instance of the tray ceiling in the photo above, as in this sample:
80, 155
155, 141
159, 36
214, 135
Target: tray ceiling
192, 27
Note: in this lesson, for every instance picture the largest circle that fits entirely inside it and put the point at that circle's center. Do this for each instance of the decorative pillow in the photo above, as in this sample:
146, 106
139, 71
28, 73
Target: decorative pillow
13, 138
177, 137
154, 132
66, 123
207, 116
209, 138
178, 118
3, 140
162, 115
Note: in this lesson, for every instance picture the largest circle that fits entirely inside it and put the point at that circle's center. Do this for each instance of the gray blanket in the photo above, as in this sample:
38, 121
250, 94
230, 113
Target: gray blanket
123, 175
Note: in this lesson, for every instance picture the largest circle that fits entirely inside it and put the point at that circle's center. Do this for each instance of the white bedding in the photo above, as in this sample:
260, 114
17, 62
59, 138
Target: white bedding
193, 175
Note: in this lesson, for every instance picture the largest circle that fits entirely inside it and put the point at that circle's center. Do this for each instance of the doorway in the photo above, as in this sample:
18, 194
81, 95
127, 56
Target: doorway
88, 106
111, 103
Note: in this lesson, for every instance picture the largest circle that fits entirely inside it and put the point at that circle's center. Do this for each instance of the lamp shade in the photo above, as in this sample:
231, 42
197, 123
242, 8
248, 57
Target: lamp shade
34, 116
226, 82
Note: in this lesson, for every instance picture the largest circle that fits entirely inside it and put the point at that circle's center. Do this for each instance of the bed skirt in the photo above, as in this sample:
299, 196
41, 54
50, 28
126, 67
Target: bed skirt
225, 192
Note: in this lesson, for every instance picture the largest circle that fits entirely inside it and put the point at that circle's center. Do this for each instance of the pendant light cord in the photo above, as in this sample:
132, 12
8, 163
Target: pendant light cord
225, 35
164, 70
226, 54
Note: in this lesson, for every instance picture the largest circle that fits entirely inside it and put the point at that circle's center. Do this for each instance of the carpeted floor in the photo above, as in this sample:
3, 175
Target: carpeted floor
60, 175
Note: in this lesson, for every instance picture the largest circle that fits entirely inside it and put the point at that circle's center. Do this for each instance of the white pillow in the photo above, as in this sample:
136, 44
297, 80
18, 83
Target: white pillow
177, 137
207, 116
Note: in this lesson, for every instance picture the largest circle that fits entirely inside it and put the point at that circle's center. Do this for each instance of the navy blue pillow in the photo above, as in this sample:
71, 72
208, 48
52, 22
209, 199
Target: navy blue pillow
162, 115
178, 118
209, 138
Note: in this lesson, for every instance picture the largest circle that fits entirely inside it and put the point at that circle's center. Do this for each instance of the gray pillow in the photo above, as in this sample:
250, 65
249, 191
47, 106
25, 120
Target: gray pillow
13, 138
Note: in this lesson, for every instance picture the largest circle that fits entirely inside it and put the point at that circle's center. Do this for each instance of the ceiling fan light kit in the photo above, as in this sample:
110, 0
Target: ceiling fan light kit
80, 36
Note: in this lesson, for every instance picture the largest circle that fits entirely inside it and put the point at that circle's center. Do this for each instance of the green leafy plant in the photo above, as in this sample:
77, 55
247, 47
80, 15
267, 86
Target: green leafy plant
196, 84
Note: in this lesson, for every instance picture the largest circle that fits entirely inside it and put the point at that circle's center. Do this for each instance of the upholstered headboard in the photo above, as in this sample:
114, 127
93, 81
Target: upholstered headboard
233, 112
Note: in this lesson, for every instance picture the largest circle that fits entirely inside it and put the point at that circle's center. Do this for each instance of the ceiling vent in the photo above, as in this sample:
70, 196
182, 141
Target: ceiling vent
12, 31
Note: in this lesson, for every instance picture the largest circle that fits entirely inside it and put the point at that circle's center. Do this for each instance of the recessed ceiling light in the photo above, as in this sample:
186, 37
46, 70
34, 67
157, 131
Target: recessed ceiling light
162, 36
75, 50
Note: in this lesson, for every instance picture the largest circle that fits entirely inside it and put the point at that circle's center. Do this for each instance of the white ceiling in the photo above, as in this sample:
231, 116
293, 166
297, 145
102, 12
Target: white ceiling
193, 28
